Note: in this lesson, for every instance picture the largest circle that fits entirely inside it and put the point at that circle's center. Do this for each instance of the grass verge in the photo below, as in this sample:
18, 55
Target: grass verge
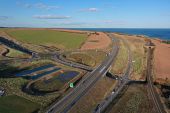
121, 59
94, 96
15, 53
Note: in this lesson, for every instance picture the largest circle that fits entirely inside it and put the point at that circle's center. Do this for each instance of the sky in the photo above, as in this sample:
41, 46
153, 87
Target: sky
85, 13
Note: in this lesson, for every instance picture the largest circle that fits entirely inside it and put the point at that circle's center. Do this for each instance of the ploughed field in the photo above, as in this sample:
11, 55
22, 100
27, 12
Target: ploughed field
96, 41
49, 37
161, 62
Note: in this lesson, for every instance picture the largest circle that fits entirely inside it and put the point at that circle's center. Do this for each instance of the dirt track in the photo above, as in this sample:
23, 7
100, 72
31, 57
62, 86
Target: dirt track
162, 60
96, 41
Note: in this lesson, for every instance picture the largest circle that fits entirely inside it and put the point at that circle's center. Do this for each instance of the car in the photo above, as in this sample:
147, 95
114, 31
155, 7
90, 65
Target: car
51, 110
113, 92
97, 107
2, 92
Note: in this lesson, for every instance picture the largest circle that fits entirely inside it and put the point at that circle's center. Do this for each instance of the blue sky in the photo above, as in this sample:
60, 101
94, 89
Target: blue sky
85, 13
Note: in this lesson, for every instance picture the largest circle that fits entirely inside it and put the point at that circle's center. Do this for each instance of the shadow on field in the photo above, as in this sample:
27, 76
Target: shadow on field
8, 70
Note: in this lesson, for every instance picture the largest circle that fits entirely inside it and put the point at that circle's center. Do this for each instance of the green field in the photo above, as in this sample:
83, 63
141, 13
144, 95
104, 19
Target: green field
138, 64
16, 53
16, 104
47, 37
55, 85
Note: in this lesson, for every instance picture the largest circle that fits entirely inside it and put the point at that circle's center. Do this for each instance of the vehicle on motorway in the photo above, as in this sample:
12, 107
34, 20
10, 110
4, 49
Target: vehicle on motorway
2, 91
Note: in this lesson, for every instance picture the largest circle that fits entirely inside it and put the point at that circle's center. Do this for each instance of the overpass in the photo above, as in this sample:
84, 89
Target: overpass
67, 102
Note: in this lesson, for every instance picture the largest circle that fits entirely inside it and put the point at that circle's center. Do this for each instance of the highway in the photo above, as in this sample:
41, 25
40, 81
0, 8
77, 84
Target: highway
91, 78
155, 97
122, 81
66, 103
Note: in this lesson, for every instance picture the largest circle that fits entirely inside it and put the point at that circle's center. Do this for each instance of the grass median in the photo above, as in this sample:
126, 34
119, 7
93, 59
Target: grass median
121, 59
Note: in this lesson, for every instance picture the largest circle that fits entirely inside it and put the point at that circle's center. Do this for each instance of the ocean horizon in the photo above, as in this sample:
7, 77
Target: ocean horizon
162, 33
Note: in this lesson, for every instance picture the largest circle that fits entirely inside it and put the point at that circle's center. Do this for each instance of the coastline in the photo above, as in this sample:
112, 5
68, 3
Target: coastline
161, 33
153, 33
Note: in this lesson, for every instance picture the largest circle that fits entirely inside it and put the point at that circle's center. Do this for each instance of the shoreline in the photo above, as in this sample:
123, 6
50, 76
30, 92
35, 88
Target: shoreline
84, 30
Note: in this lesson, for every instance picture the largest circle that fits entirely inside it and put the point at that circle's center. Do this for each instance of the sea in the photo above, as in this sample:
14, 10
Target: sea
163, 34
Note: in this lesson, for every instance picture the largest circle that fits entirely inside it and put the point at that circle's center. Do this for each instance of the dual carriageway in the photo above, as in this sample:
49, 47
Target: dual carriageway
93, 75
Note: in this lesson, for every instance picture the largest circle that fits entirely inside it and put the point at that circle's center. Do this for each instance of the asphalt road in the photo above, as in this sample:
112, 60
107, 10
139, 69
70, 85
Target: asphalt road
60, 59
57, 56
122, 81
67, 102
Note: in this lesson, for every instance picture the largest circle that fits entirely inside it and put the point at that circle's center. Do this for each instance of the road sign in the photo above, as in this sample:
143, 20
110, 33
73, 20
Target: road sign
133, 61
71, 85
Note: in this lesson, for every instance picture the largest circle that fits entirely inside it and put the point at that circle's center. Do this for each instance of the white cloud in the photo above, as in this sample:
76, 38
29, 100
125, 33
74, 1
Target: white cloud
90, 10
51, 17
107, 21
28, 5
44, 6
4, 17
72, 23
38, 6
112, 22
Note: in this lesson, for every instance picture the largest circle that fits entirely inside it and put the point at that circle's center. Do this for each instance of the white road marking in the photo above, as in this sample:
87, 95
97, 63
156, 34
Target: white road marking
102, 69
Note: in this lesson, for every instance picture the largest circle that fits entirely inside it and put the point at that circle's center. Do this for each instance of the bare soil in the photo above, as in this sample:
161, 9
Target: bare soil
97, 41
162, 61
71, 31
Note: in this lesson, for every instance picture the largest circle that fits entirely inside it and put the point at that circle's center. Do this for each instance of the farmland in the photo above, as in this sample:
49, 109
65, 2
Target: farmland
134, 100
49, 37
15, 103
90, 57
161, 62
82, 58
96, 41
